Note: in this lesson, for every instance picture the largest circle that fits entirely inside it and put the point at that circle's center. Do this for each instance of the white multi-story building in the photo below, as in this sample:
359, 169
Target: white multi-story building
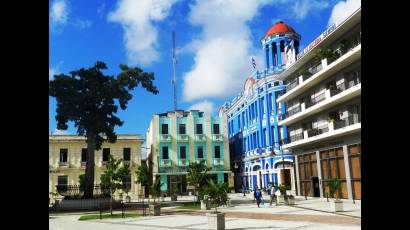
323, 111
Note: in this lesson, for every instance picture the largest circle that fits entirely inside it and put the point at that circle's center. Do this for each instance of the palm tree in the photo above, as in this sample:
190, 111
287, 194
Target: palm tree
197, 175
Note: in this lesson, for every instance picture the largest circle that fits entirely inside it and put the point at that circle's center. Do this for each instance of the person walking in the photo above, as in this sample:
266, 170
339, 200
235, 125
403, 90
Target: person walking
243, 190
258, 196
272, 194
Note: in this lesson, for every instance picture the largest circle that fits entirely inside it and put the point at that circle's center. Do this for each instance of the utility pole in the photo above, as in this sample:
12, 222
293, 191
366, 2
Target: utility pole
174, 62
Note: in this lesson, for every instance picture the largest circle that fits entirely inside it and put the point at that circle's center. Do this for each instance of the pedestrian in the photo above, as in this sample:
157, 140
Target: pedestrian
272, 194
258, 196
243, 189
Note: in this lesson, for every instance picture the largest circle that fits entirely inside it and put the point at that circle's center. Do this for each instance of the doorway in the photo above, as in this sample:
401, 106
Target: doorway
286, 177
315, 187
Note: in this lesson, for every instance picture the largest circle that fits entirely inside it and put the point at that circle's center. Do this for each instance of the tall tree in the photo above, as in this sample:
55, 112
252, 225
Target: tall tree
197, 175
89, 98
142, 174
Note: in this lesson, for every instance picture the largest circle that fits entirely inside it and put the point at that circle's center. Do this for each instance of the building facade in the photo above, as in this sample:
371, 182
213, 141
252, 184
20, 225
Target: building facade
255, 135
67, 159
323, 111
174, 139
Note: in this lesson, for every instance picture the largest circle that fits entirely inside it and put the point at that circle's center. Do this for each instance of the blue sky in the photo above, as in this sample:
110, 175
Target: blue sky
215, 40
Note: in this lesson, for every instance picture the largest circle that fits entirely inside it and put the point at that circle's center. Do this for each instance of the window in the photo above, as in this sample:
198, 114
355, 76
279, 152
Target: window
200, 152
182, 152
276, 83
164, 129
239, 121
106, 154
199, 129
262, 105
243, 119
216, 128
165, 153
182, 129
269, 85
84, 155
126, 182
217, 152
63, 155
127, 154
62, 182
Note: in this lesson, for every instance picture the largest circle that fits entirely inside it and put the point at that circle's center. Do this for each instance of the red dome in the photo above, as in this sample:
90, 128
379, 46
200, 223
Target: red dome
279, 28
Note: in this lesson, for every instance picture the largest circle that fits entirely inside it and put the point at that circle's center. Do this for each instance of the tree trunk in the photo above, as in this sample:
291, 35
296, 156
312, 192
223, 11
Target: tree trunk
89, 167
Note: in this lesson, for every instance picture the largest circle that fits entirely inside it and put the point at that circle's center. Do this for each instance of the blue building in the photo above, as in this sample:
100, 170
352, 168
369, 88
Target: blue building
255, 138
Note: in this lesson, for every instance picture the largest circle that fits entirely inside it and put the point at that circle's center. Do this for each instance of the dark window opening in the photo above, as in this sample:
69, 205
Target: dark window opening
200, 152
106, 154
63, 155
165, 153
182, 152
127, 154
217, 152
83, 155
199, 129
216, 128
164, 128
182, 129
126, 182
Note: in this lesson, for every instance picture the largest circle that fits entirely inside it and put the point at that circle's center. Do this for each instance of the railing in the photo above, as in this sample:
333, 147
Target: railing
292, 85
200, 137
165, 163
217, 137
318, 67
296, 137
183, 162
165, 137
315, 132
344, 86
69, 191
218, 162
62, 164
199, 160
289, 113
315, 100
352, 119
182, 137
83, 164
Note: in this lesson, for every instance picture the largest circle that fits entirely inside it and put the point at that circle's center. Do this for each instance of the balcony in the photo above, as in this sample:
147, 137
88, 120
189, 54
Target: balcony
217, 137
351, 120
183, 137
200, 137
183, 162
199, 160
336, 89
292, 84
218, 162
63, 164
313, 101
296, 137
289, 113
316, 131
83, 164
165, 138
165, 163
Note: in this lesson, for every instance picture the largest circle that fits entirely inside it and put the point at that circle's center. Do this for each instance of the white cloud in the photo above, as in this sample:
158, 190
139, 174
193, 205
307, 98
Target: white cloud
60, 132
137, 18
206, 106
302, 8
59, 14
54, 70
222, 53
343, 9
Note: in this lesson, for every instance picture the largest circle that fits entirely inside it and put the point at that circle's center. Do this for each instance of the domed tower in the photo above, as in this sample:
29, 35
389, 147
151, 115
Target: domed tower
281, 45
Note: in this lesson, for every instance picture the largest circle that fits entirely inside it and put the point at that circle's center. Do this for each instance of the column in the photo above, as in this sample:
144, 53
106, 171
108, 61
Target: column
267, 62
319, 173
272, 55
347, 170
297, 175
279, 62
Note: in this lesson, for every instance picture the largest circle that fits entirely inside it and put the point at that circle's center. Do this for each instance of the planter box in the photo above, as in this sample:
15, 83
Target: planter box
280, 199
205, 205
290, 201
336, 205
174, 197
155, 209
216, 220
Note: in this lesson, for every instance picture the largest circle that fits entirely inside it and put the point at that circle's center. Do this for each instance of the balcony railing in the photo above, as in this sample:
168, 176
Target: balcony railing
165, 163
63, 164
316, 68
165, 137
200, 137
183, 162
315, 132
199, 160
296, 137
83, 163
289, 113
218, 162
217, 137
351, 120
292, 85
344, 86
315, 100
183, 137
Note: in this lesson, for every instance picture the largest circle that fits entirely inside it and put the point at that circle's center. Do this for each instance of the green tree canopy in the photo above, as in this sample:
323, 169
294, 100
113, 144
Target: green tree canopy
90, 99
197, 175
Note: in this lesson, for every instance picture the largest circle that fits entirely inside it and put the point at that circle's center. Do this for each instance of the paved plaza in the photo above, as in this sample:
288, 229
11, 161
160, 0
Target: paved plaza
244, 214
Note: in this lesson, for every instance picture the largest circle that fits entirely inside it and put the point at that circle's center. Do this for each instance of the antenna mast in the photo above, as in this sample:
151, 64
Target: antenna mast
174, 62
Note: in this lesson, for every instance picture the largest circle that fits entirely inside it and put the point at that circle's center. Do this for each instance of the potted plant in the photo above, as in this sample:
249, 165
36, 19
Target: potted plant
205, 203
217, 194
336, 205
155, 208
282, 191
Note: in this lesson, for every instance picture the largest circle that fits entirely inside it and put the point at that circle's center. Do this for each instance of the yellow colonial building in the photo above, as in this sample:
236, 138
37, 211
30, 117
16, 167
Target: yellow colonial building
67, 159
